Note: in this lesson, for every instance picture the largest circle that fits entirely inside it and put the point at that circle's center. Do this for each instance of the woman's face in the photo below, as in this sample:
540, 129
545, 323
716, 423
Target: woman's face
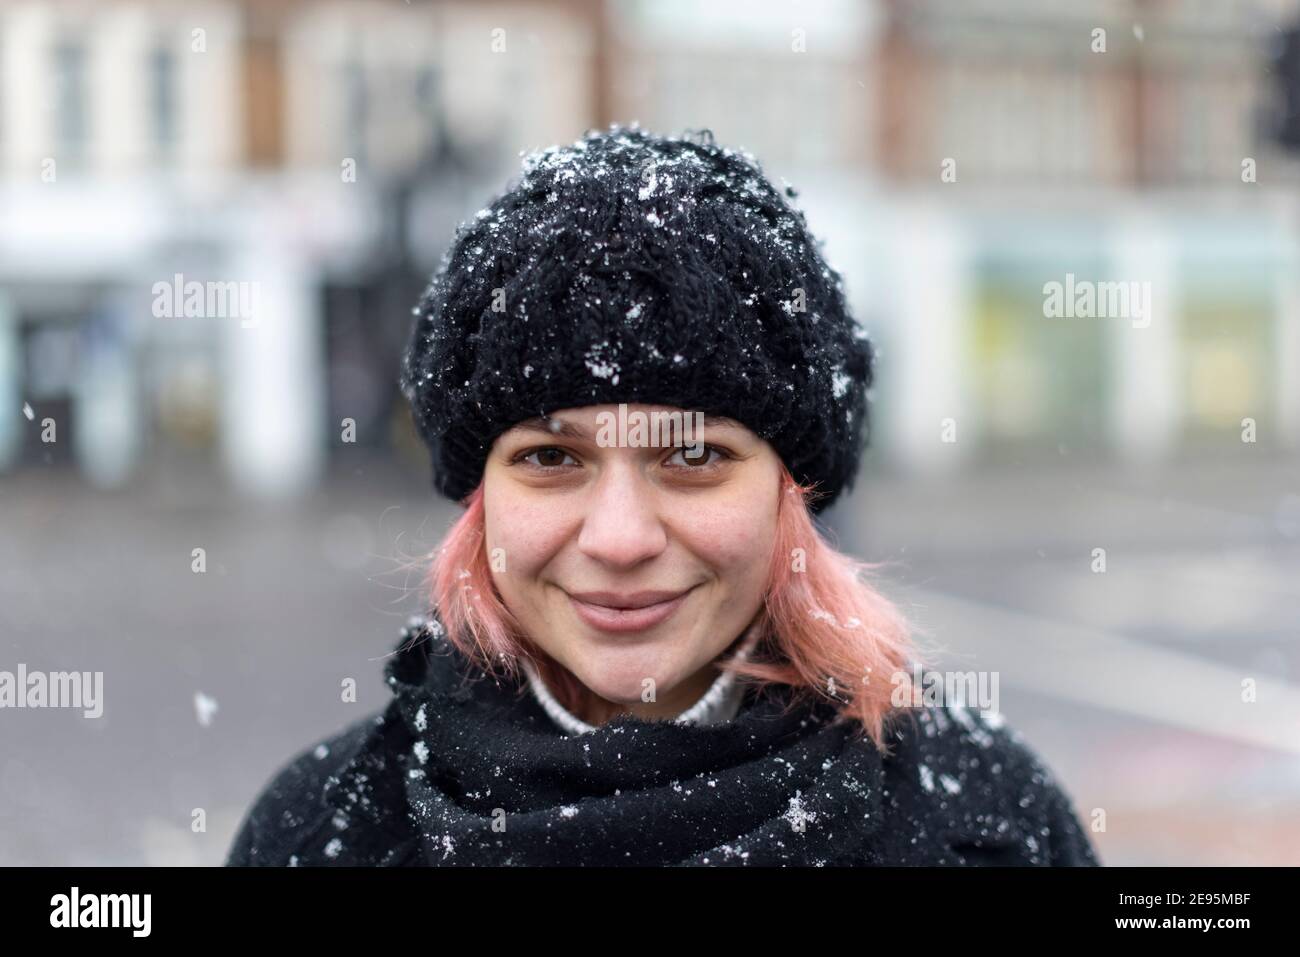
633, 558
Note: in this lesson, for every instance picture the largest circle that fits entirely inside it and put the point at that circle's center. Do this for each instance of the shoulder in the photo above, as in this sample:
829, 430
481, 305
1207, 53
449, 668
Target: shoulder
967, 780
298, 818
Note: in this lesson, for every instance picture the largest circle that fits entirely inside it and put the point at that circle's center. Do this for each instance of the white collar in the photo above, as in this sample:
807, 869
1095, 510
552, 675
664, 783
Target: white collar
720, 703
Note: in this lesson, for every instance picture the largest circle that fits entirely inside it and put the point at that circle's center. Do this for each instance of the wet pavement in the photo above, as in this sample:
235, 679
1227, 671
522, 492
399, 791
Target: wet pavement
1127, 682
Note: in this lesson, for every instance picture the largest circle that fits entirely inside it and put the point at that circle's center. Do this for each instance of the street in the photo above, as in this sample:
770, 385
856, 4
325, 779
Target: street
1127, 683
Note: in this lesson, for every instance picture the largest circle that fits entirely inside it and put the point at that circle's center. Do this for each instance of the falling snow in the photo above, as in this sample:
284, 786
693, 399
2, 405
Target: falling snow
204, 708
727, 788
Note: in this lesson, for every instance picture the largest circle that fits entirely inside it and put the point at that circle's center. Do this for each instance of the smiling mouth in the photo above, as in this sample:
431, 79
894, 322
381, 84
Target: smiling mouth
639, 611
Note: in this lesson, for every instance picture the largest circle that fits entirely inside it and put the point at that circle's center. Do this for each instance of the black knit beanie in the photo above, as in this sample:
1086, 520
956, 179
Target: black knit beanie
631, 267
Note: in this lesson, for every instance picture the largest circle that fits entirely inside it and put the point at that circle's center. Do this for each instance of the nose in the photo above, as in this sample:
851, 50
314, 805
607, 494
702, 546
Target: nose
621, 525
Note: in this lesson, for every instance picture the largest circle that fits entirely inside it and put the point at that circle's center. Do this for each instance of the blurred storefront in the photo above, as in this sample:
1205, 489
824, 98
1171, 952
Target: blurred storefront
325, 152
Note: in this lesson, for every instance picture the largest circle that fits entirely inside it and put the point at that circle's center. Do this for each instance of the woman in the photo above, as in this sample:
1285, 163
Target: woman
639, 376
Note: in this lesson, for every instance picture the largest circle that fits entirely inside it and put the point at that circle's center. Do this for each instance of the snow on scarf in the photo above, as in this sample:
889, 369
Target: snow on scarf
491, 782
460, 770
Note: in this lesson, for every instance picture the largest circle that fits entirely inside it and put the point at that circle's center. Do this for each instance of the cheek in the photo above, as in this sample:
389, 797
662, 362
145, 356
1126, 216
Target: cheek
527, 531
735, 537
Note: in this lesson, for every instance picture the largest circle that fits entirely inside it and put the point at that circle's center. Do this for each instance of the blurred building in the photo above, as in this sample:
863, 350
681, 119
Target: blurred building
310, 157
316, 157
1110, 141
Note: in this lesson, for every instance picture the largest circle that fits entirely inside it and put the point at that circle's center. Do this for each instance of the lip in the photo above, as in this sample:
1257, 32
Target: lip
609, 611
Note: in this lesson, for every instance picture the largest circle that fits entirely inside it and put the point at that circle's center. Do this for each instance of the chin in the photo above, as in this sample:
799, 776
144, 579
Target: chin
617, 674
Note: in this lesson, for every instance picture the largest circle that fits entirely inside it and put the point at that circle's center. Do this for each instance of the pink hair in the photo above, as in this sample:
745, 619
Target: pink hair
824, 630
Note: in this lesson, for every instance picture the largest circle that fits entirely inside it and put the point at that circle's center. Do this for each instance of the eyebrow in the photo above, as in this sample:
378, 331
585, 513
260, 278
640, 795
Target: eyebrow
560, 427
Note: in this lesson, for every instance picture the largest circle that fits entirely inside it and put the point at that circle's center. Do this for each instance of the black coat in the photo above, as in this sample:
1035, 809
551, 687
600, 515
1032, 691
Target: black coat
461, 772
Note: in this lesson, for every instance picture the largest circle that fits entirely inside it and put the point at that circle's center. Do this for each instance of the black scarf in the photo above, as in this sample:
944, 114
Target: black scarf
461, 769
490, 780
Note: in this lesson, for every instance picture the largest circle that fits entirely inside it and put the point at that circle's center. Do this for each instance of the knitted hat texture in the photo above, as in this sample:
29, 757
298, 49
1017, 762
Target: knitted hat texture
632, 267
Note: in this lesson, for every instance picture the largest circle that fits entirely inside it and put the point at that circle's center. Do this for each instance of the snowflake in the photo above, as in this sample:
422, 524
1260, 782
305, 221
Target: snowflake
600, 367
797, 814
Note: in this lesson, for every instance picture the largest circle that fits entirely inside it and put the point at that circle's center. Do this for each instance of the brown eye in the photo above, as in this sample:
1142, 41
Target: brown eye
693, 458
548, 457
